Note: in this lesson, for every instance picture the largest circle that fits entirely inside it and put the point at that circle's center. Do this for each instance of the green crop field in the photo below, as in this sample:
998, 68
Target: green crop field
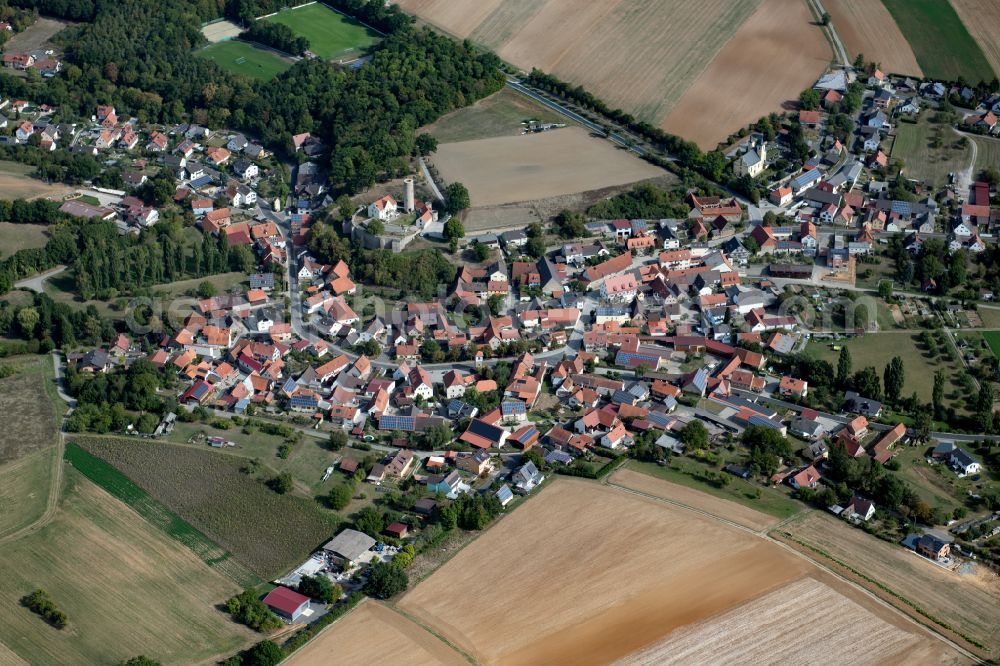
266, 532
331, 35
245, 59
993, 340
942, 45
121, 487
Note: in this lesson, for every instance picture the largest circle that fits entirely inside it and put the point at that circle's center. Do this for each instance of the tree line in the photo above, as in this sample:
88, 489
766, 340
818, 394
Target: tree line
277, 36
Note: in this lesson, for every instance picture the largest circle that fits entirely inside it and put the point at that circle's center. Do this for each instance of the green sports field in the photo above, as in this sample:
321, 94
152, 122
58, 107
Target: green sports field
331, 35
245, 59
944, 48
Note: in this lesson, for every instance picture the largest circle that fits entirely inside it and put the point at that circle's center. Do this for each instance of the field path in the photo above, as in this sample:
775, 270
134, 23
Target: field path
831, 31
967, 176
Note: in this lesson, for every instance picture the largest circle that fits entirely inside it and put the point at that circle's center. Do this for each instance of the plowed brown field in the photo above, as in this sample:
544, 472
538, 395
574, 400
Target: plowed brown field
775, 55
867, 27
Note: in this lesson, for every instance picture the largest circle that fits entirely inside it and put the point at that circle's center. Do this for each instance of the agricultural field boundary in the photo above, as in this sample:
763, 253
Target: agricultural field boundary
121, 487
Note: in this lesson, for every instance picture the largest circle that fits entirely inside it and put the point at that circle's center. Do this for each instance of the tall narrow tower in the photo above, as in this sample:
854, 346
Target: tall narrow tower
408, 197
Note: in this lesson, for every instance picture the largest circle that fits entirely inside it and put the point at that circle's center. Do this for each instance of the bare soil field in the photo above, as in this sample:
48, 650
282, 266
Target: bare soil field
576, 574
965, 602
674, 492
14, 237
536, 166
867, 27
511, 216
220, 31
371, 634
37, 35
635, 54
126, 588
982, 20
786, 627
776, 54
15, 183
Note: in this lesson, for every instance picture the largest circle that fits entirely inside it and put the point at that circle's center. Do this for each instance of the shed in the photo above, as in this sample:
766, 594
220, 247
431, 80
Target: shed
349, 547
287, 604
397, 530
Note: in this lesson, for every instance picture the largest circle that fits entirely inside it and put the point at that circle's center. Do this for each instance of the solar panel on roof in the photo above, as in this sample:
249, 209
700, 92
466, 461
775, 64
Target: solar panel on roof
405, 423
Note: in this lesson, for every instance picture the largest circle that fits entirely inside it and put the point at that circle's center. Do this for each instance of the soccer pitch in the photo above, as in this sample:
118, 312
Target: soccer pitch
331, 36
245, 59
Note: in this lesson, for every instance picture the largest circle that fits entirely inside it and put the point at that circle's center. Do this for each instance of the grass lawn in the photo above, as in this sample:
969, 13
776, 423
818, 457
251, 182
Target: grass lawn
500, 114
14, 237
922, 161
62, 288
987, 153
989, 316
331, 35
126, 588
993, 340
943, 47
877, 349
222, 282
772, 501
926, 481
244, 59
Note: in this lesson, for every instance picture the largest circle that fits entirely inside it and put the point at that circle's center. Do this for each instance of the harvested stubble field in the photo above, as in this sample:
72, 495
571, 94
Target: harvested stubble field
578, 574
500, 114
776, 53
16, 183
27, 417
787, 626
982, 20
351, 642
635, 54
264, 531
512, 169
125, 587
38, 36
867, 27
14, 237
24, 490
696, 499
969, 603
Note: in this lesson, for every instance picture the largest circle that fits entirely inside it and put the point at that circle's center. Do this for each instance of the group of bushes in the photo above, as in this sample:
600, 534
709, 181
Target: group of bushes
40, 603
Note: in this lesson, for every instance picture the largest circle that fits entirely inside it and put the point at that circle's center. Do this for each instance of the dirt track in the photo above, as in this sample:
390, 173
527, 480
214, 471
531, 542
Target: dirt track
537, 166
775, 55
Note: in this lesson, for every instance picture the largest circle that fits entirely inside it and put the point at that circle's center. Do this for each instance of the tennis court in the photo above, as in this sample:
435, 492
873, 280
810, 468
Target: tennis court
332, 36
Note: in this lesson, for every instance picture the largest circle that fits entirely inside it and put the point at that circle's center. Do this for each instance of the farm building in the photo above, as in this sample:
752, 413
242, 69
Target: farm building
350, 547
287, 604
